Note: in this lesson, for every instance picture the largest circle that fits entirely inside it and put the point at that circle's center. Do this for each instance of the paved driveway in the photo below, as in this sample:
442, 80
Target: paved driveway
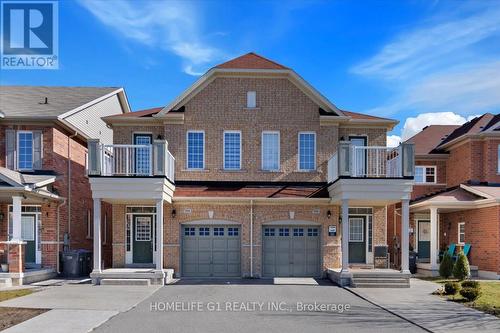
247, 306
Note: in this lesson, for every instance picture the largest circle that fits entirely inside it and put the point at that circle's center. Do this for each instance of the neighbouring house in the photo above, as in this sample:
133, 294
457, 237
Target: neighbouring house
250, 172
45, 196
456, 197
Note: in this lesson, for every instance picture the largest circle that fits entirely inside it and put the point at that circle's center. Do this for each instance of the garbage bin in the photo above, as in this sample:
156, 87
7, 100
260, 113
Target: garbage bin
76, 263
413, 262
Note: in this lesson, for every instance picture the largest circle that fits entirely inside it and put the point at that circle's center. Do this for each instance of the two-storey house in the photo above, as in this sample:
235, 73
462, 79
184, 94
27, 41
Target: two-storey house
455, 200
250, 172
45, 196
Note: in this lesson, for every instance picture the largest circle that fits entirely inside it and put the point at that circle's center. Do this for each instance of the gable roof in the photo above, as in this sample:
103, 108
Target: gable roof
138, 114
20, 102
251, 60
426, 140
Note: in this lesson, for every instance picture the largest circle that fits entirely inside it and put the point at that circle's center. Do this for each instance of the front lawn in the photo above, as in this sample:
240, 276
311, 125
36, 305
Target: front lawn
13, 316
8, 294
488, 302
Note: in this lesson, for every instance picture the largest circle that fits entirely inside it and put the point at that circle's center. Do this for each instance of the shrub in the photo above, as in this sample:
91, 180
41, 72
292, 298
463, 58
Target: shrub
446, 266
451, 288
470, 294
461, 270
470, 284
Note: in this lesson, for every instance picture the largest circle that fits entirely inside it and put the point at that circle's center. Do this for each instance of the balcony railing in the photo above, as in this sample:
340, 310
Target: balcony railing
371, 162
130, 160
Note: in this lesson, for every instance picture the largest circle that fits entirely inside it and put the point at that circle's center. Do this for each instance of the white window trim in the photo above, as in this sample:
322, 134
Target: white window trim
262, 150
458, 231
254, 97
32, 150
224, 150
187, 149
425, 173
298, 151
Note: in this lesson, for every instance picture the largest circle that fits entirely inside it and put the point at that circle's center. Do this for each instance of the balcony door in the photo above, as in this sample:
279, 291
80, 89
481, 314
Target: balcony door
142, 155
359, 155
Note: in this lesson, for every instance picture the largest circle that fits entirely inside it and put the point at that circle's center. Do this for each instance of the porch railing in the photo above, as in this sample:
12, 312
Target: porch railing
130, 160
371, 162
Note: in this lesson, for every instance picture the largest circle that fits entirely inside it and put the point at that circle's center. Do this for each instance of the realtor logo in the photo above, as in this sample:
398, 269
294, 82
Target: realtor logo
29, 32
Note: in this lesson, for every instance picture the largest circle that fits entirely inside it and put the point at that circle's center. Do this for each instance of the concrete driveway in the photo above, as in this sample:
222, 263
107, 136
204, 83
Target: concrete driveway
254, 306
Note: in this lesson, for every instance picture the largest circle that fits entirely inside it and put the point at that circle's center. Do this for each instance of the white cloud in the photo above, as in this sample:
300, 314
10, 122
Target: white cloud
171, 26
413, 125
393, 140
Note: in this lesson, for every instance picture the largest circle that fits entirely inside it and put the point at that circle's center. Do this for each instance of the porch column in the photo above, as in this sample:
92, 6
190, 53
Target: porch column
97, 235
345, 236
16, 218
159, 235
434, 237
405, 235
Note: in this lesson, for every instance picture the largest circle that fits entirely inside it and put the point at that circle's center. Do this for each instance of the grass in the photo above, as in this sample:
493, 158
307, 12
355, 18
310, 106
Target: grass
488, 302
9, 294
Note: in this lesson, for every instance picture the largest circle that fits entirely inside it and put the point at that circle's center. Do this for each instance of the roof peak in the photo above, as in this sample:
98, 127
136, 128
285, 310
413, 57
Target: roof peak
251, 60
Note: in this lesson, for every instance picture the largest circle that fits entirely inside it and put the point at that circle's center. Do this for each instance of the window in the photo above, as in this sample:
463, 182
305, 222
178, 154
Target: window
251, 99
312, 232
218, 231
25, 150
461, 233
204, 232
298, 232
356, 232
189, 232
284, 232
269, 232
143, 229
270, 151
425, 174
195, 150
307, 151
232, 150
143, 155
498, 159
232, 231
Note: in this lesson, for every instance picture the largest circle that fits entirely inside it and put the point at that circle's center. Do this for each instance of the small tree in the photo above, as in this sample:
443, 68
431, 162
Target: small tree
461, 270
446, 266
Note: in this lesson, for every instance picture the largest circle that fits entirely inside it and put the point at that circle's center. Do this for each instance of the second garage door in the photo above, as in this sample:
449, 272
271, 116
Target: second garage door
211, 251
291, 251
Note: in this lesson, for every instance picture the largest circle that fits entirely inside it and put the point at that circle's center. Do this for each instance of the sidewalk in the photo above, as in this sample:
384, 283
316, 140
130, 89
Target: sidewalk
430, 312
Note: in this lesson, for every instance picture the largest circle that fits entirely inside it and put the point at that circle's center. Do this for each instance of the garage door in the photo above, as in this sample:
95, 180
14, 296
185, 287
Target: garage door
211, 251
291, 251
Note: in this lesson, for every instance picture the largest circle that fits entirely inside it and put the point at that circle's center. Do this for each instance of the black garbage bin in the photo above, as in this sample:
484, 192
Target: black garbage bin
76, 263
412, 261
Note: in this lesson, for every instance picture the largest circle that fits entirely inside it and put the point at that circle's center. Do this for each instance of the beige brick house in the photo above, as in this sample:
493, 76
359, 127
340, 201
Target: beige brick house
250, 172
456, 197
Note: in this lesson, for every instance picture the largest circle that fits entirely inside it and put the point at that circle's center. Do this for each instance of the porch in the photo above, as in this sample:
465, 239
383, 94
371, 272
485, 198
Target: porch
133, 276
371, 278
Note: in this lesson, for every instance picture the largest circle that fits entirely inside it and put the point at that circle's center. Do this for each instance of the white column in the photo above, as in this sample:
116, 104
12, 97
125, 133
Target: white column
97, 235
405, 236
16, 218
159, 235
434, 237
345, 236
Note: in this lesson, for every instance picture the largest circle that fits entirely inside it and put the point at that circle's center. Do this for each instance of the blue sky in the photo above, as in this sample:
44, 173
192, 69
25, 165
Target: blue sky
416, 61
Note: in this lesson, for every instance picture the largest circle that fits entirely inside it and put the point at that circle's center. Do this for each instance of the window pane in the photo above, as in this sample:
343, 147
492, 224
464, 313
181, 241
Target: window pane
270, 151
195, 150
307, 144
419, 174
251, 99
142, 155
232, 150
25, 150
430, 175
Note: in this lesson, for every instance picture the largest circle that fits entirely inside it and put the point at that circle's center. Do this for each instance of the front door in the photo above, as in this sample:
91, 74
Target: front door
424, 240
357, 240
143, 239
28, 234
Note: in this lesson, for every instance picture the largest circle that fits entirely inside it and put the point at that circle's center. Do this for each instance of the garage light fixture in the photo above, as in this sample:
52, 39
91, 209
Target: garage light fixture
173, 213
328, 214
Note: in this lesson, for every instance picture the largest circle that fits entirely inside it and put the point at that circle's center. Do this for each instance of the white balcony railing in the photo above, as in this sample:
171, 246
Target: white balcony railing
371, 162
130, 160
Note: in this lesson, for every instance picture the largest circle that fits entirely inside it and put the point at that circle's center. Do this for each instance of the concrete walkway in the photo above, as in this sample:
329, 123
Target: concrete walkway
431, 312
76, 308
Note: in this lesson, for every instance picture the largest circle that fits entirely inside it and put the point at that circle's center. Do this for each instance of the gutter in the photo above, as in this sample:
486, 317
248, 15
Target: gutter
251, 238
58, 268
69, 187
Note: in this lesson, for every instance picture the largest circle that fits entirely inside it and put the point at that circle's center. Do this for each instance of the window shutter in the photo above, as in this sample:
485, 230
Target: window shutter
37, 149
10, 147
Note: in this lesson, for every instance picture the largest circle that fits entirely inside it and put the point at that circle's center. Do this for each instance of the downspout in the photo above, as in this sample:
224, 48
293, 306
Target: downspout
69, 187
58, 269
251, 238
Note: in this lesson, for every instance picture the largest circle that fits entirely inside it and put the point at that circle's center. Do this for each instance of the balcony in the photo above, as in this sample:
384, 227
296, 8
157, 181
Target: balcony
366, 173
131, 171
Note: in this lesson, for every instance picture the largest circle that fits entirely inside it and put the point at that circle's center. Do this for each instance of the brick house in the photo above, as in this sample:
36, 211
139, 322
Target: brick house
45, 196
248, 173
455, 200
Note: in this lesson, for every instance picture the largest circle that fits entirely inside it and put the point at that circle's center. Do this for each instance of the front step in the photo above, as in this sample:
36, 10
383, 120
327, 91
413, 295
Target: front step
380, 280
125, 282
5, 282
380, 285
